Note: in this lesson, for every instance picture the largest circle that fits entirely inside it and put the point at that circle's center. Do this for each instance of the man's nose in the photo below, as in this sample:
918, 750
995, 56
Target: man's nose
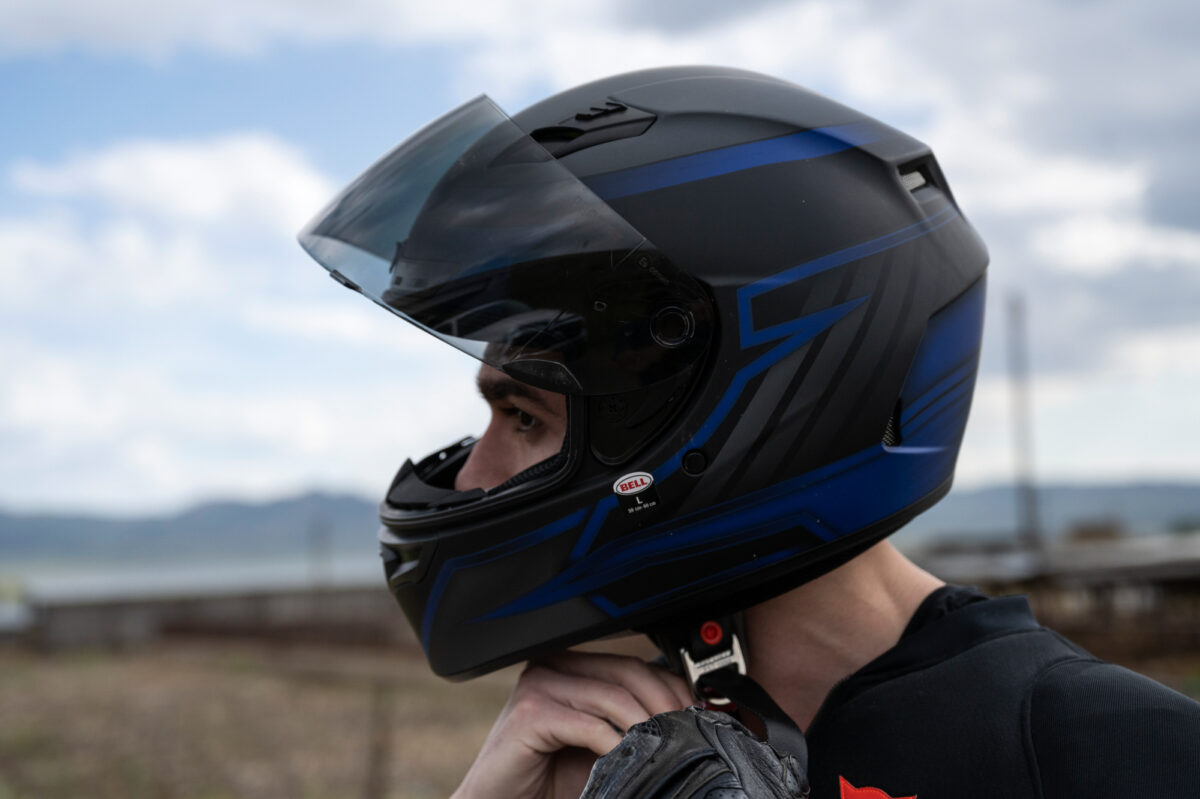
485, 466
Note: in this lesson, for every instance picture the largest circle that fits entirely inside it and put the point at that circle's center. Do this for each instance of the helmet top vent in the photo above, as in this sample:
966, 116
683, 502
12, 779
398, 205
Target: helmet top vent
597, 124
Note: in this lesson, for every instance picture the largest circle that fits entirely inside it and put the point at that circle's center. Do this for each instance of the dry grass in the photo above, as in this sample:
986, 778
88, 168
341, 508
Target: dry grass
216, 719
236, 720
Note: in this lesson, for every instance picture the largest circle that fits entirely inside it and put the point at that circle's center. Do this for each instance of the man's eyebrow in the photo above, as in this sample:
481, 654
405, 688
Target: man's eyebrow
495, 389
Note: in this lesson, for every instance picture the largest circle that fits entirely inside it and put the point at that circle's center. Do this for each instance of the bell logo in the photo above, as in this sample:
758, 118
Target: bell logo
850, 792
632, 484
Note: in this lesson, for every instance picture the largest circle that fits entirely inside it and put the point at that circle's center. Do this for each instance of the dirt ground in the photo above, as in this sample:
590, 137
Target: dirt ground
210, 720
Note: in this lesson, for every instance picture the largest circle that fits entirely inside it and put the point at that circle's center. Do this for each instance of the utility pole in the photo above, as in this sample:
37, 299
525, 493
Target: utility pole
320, 552
320, 570
1029, 531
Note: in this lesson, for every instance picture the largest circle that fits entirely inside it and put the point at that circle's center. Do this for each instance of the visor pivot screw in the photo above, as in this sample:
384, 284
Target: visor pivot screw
599, 306
671, 327
711, 633
695, 462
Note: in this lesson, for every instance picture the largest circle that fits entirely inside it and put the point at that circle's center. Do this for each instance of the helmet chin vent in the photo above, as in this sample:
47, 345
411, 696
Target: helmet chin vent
891, 434
401, 564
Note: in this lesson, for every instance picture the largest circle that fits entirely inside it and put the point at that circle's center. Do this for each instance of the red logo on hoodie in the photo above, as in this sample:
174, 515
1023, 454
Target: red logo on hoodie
850, 792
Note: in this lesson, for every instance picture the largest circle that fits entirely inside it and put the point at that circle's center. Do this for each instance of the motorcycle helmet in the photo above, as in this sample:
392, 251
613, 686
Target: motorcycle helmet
764, 309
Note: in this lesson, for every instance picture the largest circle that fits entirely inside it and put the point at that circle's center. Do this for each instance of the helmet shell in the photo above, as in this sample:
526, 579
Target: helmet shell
827, 411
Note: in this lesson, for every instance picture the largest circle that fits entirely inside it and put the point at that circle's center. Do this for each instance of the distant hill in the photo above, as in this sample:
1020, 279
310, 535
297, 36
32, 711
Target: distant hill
992, 511
211, 531
345, 524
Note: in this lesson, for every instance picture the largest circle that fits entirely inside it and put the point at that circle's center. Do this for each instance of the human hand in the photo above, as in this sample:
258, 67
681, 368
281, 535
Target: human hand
565, 711
697, 753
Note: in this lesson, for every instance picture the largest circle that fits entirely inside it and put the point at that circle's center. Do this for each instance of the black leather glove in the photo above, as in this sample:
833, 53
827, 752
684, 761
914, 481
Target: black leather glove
695, 754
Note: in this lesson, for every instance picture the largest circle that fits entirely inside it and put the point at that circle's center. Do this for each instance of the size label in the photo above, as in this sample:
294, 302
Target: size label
635, 492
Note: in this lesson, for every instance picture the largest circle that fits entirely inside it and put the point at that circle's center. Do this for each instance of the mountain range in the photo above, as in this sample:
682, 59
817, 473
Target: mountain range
297, 527
289, 528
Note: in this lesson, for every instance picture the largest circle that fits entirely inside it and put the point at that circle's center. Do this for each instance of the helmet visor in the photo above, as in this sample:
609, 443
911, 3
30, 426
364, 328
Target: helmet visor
472, 231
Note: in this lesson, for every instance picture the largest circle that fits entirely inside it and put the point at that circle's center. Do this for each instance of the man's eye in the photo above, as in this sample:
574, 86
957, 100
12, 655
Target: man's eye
525, 421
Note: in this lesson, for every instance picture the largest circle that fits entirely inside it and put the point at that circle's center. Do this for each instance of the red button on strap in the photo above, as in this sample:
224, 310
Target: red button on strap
711, 633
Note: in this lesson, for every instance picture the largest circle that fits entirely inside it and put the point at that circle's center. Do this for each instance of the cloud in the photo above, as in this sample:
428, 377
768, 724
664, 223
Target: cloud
158, 348
154, 224
1130, 418
247, 27
200, 336
241, 178
673, 18
1022, 84
1001, 174
54, 260
1115, 81
124, 435
1102, 243
1158, 354
776, 38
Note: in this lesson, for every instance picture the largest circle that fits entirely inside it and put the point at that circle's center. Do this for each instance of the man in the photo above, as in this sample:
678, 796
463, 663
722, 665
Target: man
729, 331
570, 707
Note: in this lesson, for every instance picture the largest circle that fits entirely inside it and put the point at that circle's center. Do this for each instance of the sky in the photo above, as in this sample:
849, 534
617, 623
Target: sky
164, 340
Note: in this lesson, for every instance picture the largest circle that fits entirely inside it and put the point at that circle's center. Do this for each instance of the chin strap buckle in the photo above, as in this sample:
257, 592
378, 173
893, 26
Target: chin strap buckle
709, 652
731, 656
702, 646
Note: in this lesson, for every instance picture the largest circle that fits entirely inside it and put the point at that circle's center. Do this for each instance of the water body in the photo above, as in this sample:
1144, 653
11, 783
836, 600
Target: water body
23, 585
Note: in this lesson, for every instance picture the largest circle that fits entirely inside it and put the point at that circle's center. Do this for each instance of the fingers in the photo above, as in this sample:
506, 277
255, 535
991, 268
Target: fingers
523, 754
655, 688
544, 724
571, 702
680, 688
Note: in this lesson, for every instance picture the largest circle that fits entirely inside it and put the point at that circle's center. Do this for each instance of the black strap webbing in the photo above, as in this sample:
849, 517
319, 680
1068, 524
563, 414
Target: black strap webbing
782, 732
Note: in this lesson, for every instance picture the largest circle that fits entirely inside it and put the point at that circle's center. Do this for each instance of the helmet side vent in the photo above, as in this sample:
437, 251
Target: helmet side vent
913, 180
891, 434
920, 175
923, 180
917, 174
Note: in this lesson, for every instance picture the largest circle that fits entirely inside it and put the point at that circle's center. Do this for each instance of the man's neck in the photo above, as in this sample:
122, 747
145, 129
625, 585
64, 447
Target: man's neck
801, 644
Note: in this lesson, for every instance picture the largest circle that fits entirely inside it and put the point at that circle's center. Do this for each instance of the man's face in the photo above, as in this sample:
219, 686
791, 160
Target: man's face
527, 426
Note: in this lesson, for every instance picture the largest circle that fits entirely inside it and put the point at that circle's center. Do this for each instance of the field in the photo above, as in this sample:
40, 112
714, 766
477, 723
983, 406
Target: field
216, 720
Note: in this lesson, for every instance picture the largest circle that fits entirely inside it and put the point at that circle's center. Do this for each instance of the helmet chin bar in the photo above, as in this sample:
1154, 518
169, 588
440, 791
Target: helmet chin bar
429, 484
441, 467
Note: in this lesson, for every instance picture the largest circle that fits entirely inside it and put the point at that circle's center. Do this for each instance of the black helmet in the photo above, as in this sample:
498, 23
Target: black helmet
765, 309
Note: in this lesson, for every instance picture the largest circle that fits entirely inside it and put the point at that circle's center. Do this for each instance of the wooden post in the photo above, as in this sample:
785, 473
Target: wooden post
382, 700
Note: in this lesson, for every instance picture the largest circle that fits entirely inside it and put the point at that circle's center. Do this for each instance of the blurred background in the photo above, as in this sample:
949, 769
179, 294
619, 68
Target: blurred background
195, 422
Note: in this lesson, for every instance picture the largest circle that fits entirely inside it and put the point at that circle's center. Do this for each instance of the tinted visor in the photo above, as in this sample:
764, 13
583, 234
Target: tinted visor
474, 232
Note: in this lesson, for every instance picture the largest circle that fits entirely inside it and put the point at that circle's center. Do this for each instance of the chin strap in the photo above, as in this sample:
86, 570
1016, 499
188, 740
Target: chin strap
709, 654
782, 732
